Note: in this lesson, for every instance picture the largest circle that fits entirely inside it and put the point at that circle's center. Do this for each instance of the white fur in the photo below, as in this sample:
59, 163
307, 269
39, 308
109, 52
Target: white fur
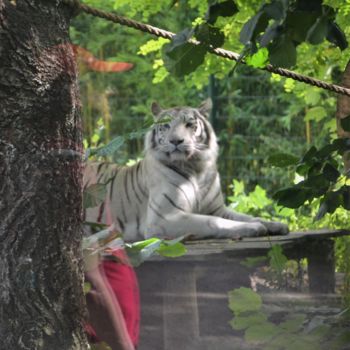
175, 189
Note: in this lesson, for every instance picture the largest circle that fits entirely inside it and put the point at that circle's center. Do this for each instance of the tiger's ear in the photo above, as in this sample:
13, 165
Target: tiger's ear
206, 107
156, 109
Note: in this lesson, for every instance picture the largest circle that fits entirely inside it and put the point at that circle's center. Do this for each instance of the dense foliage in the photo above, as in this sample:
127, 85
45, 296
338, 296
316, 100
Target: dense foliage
255, 114
273, 131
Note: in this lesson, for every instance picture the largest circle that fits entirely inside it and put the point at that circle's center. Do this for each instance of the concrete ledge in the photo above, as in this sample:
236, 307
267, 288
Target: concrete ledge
184, 300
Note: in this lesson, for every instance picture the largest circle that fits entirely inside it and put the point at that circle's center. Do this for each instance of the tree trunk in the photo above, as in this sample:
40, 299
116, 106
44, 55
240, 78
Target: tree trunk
41, 298
343, 111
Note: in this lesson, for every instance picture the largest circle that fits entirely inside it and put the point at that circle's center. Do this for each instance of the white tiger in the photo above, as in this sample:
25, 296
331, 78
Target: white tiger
175, 190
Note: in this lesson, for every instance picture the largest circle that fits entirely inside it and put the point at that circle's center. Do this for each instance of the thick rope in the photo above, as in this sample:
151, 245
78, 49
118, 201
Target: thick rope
78, 6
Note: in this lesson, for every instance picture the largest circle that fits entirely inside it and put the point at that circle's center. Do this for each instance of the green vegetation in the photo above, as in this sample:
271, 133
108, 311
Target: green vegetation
265, 123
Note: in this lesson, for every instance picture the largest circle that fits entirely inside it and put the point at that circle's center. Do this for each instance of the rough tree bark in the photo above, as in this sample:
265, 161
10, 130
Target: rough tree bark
41, 298
343, 111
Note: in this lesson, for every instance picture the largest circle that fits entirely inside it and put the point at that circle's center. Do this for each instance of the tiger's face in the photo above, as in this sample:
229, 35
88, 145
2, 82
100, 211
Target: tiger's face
181, 134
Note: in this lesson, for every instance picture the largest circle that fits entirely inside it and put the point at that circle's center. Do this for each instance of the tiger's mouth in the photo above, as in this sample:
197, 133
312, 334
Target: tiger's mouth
179, 155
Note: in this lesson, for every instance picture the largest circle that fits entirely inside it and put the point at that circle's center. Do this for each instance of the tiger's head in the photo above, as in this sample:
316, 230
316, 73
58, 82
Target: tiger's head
182, 134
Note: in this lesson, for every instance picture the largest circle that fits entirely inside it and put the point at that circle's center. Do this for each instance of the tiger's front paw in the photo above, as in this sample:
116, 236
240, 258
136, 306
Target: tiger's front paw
276, 228
252, 229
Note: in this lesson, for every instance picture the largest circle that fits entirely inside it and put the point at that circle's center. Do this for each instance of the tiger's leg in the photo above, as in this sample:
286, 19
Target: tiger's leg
273, 227
200, 226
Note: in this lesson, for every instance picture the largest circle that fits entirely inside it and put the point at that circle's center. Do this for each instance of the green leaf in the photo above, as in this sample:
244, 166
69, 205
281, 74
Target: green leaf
309, 155
283, 52
172, 250
345, 190
330, 172
302, 343
281, 341
276, 9
270, 34
87, 287
253, 261
110, 148
282, 159
278, 260
253, 27
209, 35
94, 195
181, 57
293, 323
326, 151
140, 251
312, 96
341, 145
336, 36
299, 23
330, 202
225, 9
143, 244
258, 198
261, 333
315, 113
259, 59
317, 184
318, 31
345, 123
243, 300
244, 321
292, 197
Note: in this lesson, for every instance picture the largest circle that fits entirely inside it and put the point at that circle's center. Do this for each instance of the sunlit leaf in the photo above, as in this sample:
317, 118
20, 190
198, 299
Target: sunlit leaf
172, 250
138, 252
315, 113
258, 59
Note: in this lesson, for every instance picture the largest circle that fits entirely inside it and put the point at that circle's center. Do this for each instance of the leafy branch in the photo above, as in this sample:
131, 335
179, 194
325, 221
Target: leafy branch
321, 178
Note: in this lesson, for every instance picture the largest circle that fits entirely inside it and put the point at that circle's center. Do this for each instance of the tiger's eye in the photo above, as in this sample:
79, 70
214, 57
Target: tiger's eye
189, 125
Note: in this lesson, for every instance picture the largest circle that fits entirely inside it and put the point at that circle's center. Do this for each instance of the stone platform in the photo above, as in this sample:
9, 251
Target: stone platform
184, 300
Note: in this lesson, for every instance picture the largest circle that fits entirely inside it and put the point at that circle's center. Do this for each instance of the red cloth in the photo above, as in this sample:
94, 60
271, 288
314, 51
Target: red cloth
123, 281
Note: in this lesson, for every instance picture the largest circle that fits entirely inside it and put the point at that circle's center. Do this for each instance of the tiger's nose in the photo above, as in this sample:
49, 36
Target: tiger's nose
176, 142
